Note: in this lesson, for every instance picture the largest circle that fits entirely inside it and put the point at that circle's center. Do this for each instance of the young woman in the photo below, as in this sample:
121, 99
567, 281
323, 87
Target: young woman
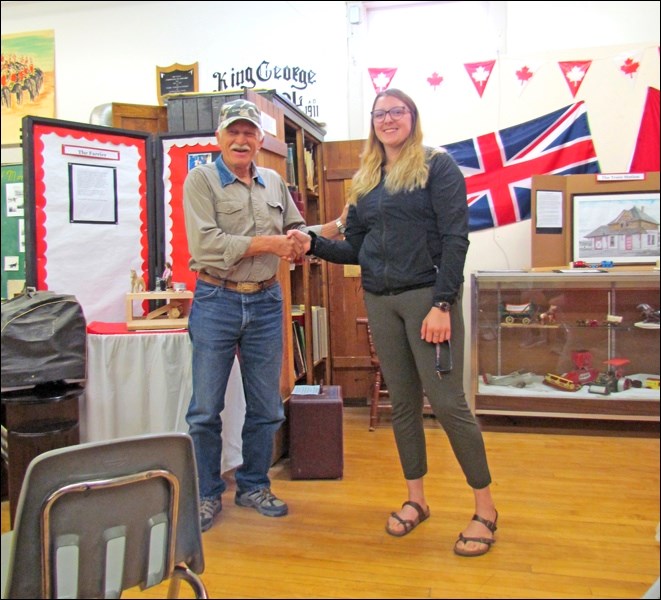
407, 227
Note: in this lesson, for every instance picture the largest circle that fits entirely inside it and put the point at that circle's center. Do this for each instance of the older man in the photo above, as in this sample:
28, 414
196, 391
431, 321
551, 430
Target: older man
237, 218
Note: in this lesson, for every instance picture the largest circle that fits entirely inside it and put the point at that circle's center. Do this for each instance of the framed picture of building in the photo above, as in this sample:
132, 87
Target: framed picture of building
619, 227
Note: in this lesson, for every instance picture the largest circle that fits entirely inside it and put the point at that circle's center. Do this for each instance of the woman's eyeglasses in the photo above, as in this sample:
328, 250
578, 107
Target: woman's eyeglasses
395, 114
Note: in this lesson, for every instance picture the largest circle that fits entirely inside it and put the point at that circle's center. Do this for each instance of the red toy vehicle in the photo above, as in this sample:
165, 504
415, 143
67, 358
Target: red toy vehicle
584, 373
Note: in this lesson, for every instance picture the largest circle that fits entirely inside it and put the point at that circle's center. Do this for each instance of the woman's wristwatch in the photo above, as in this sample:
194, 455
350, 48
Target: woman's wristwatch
340, 226
443, 306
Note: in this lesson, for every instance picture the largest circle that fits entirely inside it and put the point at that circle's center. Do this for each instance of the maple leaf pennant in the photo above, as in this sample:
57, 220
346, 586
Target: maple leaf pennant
574, 72
479, 72
434, 80
525, 72
629, 64
381, 78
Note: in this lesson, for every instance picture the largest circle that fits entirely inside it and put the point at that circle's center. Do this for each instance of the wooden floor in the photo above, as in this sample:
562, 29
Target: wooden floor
578, 516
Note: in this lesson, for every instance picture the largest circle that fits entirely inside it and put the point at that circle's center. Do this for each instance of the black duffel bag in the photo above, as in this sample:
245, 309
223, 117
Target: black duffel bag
44, 339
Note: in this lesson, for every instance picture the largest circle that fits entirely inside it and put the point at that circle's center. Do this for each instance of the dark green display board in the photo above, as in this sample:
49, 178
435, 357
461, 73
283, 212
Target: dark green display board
13, 230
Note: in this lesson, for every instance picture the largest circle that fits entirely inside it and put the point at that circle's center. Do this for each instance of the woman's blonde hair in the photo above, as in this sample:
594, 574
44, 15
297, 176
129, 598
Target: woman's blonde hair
411, 169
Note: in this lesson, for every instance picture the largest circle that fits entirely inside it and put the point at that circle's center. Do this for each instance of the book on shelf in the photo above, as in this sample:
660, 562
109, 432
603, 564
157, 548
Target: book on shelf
319, 328
319, 333
299, 349
310, 172
298, 313
291, 165
323, 333
298, 201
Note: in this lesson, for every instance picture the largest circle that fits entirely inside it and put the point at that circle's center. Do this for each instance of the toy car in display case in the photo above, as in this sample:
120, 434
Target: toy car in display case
518, 313
561, 383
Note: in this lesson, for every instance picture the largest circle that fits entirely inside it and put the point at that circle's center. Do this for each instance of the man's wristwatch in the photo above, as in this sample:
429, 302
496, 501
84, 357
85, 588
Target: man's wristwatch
340, 226
443, 306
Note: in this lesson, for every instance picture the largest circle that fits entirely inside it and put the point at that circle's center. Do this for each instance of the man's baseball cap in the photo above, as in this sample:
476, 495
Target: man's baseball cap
238, 110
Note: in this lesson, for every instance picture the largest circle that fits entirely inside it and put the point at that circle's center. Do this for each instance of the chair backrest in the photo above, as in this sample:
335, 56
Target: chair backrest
95, 519
374, 359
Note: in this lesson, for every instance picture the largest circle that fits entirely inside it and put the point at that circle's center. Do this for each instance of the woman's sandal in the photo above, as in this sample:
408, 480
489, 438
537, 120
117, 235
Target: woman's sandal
490, 525
408, 524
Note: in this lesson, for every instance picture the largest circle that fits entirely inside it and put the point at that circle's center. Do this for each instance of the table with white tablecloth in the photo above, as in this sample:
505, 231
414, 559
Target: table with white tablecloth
140, 382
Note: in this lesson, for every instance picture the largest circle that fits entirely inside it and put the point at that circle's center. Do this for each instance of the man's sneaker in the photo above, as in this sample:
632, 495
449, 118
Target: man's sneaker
209, 508
263, 501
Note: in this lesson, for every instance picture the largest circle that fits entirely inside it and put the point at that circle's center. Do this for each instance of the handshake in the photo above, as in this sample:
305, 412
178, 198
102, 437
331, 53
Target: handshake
296, 244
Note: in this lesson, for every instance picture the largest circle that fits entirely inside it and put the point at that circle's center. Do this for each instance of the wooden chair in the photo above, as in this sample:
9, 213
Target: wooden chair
379, 395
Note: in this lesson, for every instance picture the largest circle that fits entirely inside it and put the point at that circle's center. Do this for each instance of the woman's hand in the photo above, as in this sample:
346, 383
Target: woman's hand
436, 326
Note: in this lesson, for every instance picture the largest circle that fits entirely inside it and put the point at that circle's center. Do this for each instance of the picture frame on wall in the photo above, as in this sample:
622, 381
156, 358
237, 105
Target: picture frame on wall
28, 80
621, 227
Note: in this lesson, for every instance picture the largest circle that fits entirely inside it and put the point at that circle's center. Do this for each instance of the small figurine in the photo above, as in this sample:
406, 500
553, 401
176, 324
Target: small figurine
166, 277
548, 317
650, 317
137, 282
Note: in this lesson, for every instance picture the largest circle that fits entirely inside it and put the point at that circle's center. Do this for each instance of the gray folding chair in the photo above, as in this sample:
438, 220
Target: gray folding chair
95, 519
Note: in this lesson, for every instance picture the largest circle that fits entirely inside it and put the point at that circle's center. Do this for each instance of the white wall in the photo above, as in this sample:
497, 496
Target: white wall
109, 51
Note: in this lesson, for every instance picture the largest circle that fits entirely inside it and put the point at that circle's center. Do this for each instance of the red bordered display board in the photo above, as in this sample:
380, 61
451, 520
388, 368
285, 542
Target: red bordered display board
89, 206
177, 155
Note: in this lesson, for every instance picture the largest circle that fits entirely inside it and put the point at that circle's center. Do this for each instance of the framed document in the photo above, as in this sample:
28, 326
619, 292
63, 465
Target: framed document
620, 227
176, 79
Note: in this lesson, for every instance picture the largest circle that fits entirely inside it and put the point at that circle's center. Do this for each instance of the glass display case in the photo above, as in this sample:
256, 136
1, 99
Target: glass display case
566, 345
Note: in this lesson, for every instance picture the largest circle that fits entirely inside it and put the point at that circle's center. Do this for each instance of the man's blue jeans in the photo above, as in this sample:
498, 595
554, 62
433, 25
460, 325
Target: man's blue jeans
222, 322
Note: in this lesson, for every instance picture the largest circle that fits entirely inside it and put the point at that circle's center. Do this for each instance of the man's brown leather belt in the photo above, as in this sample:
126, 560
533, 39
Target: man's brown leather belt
243, 287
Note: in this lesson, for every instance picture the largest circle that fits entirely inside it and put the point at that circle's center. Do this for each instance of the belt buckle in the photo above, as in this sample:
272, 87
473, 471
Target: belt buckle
247, 287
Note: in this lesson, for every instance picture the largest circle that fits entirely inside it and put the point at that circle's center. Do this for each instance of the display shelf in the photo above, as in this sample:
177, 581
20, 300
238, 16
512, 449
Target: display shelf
171, 315
587, 330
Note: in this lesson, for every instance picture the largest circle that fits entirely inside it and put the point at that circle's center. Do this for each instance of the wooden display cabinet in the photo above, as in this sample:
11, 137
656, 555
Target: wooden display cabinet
587, 329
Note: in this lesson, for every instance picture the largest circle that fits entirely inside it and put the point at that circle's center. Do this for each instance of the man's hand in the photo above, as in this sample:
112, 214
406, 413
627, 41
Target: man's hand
301, 242
290, 246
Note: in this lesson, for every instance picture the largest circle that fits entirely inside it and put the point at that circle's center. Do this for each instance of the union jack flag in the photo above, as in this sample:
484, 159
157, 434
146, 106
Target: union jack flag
499, 166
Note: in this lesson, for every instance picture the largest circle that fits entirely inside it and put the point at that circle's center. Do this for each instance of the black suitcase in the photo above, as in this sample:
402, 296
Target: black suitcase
44, 339
316, 445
